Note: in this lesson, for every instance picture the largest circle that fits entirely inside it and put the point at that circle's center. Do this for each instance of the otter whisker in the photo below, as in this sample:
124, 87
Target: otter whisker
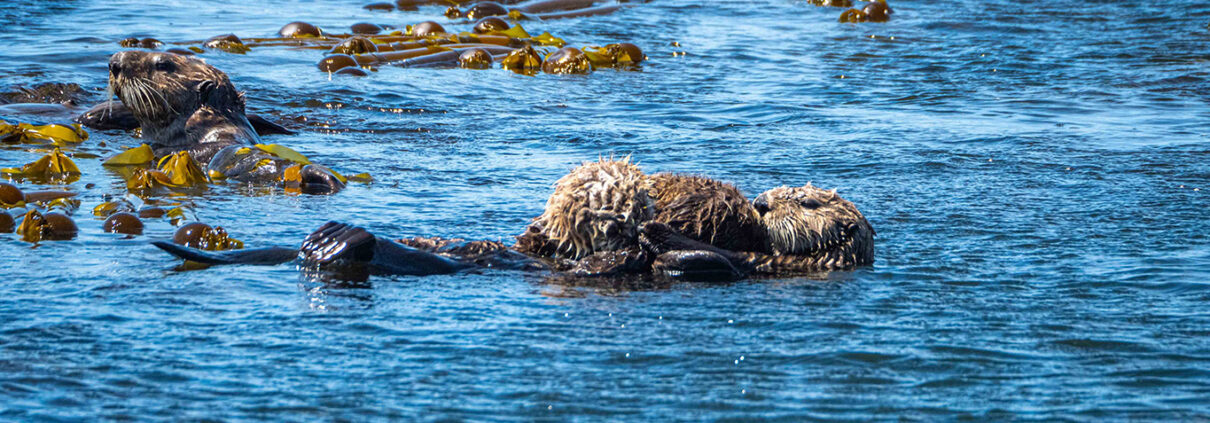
165, 101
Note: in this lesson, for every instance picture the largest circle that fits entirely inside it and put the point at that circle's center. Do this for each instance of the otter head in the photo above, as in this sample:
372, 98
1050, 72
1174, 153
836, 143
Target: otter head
163, 90
813, 222
598, 206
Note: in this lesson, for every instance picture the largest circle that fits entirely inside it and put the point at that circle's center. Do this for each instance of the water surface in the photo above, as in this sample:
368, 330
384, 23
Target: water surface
1037, 173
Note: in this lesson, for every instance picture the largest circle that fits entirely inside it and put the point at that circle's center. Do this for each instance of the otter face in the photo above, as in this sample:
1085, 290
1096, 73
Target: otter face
163, 90
810, 221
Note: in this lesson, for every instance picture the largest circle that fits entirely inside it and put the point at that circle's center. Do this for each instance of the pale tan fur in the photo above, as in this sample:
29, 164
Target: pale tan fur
598, 206
816, 226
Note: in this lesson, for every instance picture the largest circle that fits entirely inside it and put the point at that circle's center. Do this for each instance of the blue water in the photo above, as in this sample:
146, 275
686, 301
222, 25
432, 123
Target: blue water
1038, 174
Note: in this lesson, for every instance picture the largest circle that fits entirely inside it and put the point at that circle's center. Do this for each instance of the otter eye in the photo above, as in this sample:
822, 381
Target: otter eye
810, 203
164, 66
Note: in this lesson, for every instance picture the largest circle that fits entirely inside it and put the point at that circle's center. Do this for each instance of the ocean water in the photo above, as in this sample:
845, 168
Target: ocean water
1038, 174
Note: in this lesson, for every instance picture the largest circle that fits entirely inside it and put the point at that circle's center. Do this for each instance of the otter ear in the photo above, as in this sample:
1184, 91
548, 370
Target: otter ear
204, 88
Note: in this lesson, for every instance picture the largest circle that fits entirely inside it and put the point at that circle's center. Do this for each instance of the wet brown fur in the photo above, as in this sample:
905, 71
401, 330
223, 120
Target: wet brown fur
709, 211
600, 206
181, 102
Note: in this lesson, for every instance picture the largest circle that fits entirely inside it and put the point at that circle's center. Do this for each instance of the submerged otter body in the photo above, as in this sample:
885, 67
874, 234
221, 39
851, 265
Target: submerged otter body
184, 104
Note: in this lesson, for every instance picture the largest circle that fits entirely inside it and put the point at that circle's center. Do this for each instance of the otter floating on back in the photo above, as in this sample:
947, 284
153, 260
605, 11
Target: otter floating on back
608, 217
606, 206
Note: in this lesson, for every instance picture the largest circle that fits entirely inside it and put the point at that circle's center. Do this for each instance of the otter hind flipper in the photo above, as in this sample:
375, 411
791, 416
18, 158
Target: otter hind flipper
696, 265
257, 256
264, 127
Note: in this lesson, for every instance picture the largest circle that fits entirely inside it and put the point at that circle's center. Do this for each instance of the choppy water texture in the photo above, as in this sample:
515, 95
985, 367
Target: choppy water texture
1038, 174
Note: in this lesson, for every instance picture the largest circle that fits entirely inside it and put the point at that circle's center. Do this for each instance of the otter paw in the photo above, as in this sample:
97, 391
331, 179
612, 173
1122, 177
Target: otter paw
338, 242
659, 238
696, 265
609, 263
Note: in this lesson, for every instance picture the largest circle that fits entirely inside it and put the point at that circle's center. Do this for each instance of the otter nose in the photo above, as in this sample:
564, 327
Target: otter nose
114, 69
761, 204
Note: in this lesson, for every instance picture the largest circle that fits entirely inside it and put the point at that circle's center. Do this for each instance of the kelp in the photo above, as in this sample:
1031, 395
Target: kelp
59, 135
36, 227
55, 167
177, 170
133, 156
524, 60
202, 236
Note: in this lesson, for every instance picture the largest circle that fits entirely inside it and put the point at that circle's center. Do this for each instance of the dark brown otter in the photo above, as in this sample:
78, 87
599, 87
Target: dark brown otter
184, 104
809, 230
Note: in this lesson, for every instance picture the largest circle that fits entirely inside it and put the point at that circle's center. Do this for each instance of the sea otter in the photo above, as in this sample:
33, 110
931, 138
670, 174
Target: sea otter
600, 206
184, 104
608, 217
611, 205
809, 229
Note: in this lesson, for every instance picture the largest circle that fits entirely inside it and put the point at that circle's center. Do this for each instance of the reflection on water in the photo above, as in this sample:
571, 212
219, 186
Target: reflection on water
1036, 173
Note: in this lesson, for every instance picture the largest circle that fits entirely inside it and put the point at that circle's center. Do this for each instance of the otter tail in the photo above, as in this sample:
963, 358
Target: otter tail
258, 256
